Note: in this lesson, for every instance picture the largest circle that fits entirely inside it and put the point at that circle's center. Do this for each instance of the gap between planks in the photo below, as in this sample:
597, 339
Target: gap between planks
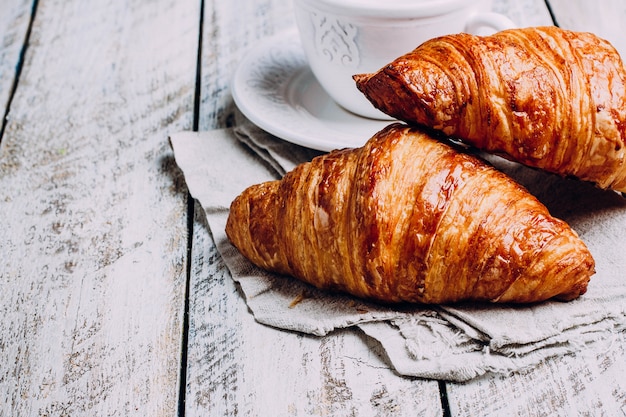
182, 396
18, 68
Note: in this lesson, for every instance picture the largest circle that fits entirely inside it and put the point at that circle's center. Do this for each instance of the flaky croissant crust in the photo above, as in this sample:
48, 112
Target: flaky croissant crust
546, 97
408, 218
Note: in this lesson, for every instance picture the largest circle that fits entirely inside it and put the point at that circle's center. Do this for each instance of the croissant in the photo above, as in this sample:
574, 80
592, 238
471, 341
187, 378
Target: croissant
546, 97
408, 218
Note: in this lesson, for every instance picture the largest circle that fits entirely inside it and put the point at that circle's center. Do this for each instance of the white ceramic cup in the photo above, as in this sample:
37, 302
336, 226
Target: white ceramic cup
346, 37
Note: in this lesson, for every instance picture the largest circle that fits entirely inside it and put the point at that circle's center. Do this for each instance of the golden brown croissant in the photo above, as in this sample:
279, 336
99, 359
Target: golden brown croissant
409, 218
546, 97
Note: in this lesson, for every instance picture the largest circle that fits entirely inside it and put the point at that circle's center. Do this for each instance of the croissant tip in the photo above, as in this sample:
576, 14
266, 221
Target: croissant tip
361, 78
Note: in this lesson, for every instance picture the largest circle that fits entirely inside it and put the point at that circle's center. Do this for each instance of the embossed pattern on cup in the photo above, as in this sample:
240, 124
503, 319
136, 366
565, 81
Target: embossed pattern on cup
335, 40
346, 37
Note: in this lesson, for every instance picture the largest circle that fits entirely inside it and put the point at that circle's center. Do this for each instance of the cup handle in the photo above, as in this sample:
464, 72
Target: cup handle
485, 23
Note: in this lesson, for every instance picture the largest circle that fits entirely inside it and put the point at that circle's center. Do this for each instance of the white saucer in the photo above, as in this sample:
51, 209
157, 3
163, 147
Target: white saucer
274, 88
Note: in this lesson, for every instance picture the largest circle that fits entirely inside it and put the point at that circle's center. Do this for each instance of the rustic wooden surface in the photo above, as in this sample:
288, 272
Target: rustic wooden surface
94, 212
113, 297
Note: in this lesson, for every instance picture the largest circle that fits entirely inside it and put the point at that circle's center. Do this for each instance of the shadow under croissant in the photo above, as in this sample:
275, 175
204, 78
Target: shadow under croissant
300, 293
569, 199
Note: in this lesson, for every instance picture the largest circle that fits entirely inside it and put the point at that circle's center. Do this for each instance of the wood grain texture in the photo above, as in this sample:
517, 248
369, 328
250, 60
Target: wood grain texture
230, 28
573, 385
93, 255
14, 20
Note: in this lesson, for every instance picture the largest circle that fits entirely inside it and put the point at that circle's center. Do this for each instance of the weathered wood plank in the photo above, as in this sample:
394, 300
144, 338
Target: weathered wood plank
229, 29
575, 385
93, 255
237, 366
14, 21
525, 13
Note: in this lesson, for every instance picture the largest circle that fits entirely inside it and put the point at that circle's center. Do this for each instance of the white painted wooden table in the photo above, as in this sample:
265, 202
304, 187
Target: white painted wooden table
113, 298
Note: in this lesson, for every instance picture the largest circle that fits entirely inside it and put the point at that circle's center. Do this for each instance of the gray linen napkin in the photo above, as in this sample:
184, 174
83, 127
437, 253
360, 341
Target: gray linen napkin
454, 343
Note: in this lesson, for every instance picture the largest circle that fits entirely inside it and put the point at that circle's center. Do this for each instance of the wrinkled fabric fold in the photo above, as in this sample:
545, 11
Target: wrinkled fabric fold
455, 343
